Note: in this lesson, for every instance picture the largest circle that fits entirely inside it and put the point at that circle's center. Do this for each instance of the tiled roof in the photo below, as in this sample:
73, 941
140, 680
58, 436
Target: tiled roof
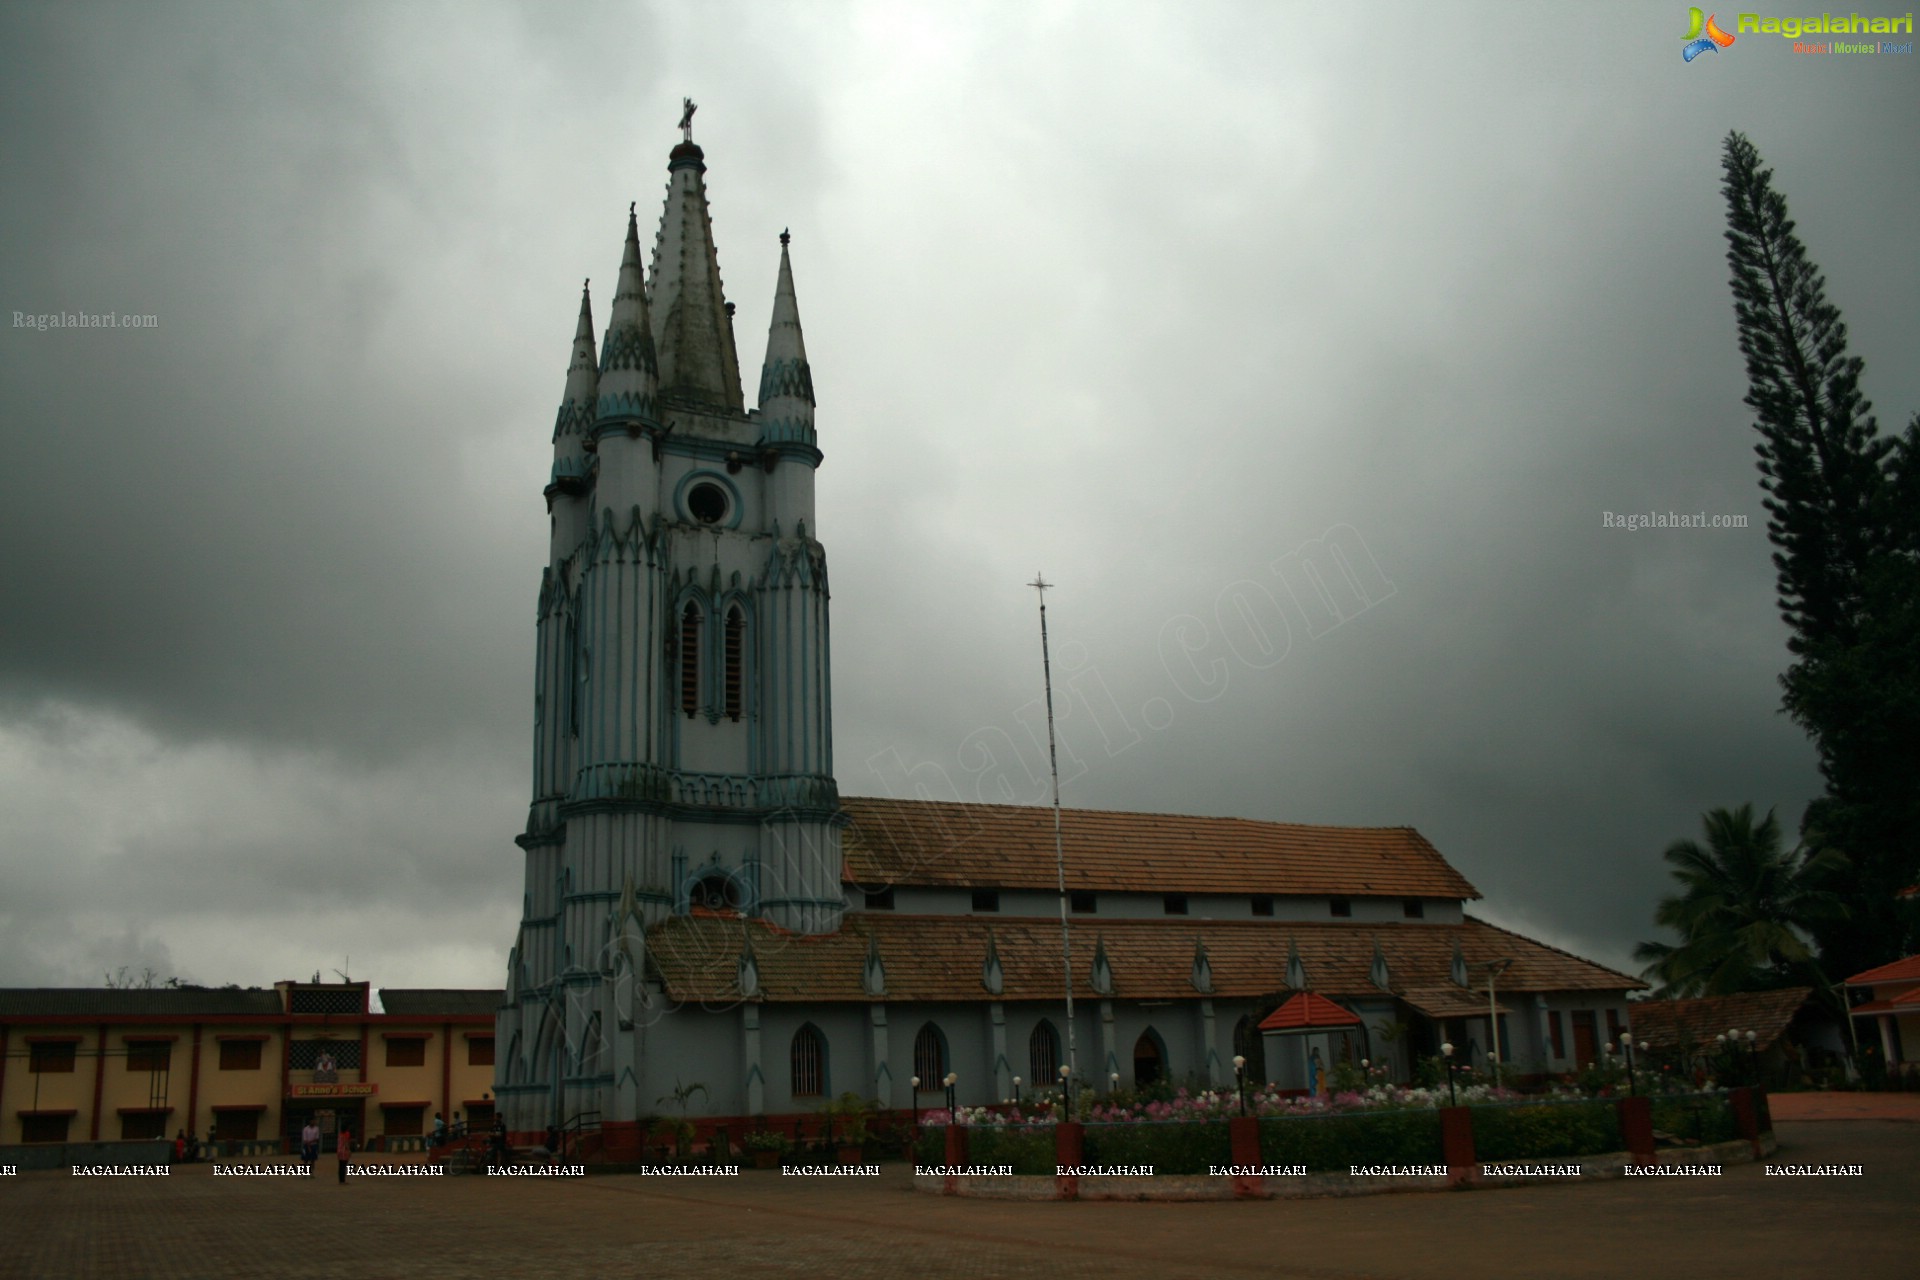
928, 842
941, 957
1308, 1011
1453, 1002
120, 1002
1690, 1024
440, 1001
1904, 970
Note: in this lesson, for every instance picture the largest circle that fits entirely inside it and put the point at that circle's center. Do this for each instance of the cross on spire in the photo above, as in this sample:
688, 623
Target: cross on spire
687, 107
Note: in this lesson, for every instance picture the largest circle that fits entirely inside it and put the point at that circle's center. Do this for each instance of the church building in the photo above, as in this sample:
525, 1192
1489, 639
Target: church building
702, 907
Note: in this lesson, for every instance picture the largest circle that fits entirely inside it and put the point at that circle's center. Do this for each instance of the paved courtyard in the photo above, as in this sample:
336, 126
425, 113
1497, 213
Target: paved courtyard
1742, 1225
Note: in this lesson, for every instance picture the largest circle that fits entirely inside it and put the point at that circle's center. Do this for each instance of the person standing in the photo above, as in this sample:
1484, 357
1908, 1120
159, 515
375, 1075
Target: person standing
439, 1131
345, 1150
310, 1143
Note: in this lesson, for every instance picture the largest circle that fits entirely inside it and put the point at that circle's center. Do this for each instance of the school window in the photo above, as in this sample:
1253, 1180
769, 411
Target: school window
1340, 908
809, 1063
480, 1051
1613, 1026
930, 1058
142, 1126
408, 1052
1262, 905
986, 899
55, 1058
1556, 1034
690, 659
735, 644
1413, 909
1174, 904
240, 1055
149, 1055
44, 1128
305, 1055
236, 1126
1084, 903
405, 1121
880, 899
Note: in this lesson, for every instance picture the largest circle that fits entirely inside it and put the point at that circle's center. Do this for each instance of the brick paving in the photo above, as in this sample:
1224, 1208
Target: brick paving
1743, 1224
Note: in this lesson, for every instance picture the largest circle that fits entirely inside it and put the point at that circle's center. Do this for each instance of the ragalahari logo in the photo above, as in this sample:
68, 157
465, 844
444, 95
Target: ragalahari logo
1703, 35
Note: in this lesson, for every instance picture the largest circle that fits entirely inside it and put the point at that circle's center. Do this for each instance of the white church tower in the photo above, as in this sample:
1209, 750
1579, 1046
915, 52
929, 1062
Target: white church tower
683, 748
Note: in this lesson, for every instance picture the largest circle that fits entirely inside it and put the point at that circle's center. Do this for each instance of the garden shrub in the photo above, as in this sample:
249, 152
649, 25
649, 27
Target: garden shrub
1546, 1130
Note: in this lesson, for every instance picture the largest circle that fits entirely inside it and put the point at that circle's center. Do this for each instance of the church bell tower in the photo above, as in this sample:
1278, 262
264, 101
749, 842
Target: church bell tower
683, 747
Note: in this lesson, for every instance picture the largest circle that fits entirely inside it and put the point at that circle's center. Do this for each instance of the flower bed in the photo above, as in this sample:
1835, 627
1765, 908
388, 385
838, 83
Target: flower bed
1701, 1117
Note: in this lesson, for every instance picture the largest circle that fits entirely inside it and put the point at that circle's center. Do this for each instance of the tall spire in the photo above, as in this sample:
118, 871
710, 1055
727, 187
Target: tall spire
786, 380
629, 370
577, 403
692, 323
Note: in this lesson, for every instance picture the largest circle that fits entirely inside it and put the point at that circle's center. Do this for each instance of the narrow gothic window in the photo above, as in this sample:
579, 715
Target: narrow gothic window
736, 633
690, 659
809, 1063
930, 1058
1043, 1055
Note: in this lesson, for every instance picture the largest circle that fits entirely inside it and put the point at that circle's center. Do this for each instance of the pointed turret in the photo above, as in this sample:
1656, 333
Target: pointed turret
578, 406
629, 370
786, 380
692, 323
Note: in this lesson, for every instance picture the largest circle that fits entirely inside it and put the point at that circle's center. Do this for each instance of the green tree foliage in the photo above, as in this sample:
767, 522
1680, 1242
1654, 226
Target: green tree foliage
1744, 910
1843, 503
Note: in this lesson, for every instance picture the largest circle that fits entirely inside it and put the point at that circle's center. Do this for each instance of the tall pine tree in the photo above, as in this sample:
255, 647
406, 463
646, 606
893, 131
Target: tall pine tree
1844, 515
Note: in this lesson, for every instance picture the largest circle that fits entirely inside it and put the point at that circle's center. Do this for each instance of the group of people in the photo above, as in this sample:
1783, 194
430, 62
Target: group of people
310, 1146
187, 1146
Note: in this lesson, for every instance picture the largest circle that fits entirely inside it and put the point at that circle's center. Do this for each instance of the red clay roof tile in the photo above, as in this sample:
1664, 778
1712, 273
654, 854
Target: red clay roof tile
925, 842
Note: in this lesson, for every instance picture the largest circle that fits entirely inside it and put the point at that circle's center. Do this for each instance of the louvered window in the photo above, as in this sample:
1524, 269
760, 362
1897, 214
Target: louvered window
736, 637
690, 659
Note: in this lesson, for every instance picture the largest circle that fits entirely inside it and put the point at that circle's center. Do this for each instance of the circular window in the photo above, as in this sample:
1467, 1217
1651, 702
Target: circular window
707, 503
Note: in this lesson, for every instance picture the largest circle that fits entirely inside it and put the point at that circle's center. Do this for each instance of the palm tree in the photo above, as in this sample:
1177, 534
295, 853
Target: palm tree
1744, 910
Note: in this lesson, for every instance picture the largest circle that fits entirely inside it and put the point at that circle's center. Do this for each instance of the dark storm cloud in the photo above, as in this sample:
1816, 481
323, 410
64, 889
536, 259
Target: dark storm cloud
1143, 297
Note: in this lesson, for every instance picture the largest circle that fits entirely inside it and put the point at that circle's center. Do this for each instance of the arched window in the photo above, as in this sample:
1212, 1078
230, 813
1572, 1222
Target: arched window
1149, 1060
735, 637
715, 891
1043, 1055
1248, 1043
809, 1061
930, 1058
690, 659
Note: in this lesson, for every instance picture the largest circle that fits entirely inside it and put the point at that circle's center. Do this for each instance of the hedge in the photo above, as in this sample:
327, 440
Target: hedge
1333, 1142
1546, 1130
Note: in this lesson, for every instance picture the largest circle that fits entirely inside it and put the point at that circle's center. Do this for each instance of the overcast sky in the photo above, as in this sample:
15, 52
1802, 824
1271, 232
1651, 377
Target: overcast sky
1146, 296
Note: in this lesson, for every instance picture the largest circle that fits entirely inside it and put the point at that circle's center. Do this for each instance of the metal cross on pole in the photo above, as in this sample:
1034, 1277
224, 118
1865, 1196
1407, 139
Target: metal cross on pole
1040, 584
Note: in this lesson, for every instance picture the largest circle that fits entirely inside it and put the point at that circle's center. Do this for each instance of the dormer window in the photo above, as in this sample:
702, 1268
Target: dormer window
986, 899
1083, 902
1340, 908
1262, 904
1174, 904
1413, 909
880, 899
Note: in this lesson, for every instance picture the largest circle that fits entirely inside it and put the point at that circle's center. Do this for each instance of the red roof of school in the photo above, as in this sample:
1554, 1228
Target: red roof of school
1903, 970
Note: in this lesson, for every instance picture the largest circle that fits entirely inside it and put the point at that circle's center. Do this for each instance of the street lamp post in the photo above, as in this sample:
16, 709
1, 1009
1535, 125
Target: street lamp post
1446, 1051
953, 1112
1753, 1058
1066, 1091
1626, 1045
913, 1083
1240, 1079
